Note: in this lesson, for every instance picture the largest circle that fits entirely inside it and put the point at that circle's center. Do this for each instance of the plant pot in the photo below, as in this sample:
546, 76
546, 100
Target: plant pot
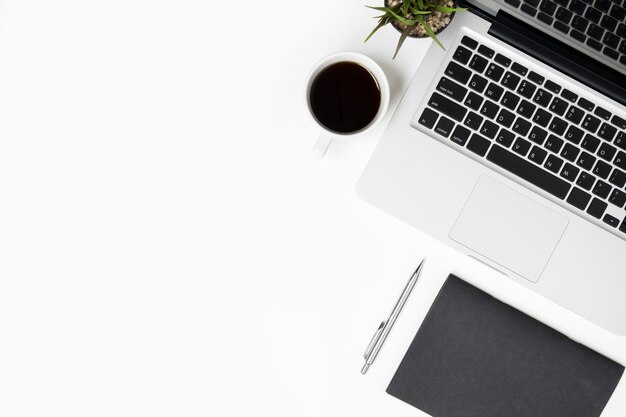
419, 32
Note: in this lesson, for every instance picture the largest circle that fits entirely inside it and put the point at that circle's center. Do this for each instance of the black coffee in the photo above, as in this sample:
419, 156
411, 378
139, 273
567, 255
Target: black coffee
345, 97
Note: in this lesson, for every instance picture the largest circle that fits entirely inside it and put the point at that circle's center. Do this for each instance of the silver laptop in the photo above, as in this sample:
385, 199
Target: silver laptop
511, 147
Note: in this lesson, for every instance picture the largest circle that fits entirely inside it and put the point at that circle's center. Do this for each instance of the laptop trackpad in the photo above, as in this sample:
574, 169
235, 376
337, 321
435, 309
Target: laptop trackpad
509, 228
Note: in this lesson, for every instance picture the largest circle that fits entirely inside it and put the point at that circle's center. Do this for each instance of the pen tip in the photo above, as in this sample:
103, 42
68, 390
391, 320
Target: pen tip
364, 369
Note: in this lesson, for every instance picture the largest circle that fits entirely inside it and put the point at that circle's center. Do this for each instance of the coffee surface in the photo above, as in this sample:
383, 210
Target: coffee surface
345, 97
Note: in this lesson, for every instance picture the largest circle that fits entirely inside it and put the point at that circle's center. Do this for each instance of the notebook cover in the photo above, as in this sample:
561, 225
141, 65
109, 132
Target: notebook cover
475, 356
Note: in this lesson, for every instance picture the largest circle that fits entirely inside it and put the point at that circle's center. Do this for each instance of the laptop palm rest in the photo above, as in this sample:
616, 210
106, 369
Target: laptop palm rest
509, 228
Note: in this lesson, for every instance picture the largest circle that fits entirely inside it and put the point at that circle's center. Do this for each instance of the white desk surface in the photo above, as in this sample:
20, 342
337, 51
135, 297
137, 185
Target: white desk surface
169, 246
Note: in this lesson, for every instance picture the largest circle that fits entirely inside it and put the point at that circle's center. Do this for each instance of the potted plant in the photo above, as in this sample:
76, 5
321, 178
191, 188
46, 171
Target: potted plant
416, 18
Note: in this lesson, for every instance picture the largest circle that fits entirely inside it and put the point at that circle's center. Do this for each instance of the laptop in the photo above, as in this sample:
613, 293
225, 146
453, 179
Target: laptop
510, 146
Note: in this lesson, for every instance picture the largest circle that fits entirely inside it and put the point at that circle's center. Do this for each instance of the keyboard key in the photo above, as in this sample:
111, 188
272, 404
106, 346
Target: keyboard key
528, 171
620, 140
602, 5
618, 178
611, 40
521, 146
580, 23
447, 107
473, 120
621, 30
622, 227
558, 106
577, 7
514, 3
610, 220
489, 109
505, 138
534, 3
510, 100
542, 97
602, 113
607, 132
619, 122
469, 42
569, 172
586, 104
585, 180
526, 109
528, 9
457, 72
578, 198
505, 118
494, 71
618, 12
547, 19
542, 117
602, 169
561, 27
557, 125
554, 163
519, 69
451, 89
489, 129
579, 36
478, 83
602, 189
563, 15
537, 155
548, 7
595, 32
521, 126
568, 95
553, 87
526, 89
486, 51
444, 127
478, 145
607, 152
478, 63
554, 144
574, 114
620, 160
590, 143
608, 23
462, 55
610, 52
510, 80
617, 198
428, 118
473, 101
570, 152
594, 44
586, 160
494, 92
460, 135
593, 14
536, 78
574, 134
597, 208
591, 123
537, 135
502, 60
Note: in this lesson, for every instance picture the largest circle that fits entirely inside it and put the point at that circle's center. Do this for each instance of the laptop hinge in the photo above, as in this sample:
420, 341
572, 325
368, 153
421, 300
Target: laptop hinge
559, 56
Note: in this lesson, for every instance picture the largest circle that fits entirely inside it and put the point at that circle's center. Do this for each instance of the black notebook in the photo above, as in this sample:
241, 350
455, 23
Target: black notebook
475, 356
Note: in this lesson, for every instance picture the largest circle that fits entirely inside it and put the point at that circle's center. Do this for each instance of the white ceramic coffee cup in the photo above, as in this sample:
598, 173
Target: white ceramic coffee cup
326, 135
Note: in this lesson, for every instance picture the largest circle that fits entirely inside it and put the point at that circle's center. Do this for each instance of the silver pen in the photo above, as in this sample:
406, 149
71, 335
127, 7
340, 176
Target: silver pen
385, 327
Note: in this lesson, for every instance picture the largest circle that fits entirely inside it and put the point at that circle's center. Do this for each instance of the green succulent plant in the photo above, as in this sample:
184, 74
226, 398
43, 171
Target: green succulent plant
412, 14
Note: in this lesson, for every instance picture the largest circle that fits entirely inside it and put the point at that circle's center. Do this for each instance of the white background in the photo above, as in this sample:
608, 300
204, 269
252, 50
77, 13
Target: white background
168, 244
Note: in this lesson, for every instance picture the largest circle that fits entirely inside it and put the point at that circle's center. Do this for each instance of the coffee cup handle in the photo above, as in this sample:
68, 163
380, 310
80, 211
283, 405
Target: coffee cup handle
322, 144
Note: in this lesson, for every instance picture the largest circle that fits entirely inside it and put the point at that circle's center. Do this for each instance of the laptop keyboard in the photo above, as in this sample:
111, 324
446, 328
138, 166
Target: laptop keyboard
598, 24
490, 106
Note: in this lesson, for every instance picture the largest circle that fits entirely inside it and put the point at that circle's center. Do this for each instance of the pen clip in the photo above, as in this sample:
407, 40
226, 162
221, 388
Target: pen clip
372, 343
